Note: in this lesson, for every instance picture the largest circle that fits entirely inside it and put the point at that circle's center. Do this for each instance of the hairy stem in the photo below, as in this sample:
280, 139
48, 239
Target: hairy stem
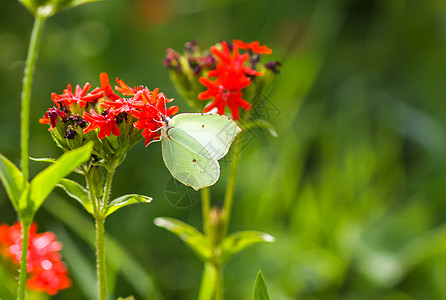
23, 260
100, 258
36, 37
107, 190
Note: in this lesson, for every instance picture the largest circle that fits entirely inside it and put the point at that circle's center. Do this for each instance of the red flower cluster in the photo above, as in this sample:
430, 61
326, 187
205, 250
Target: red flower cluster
232, 75
46, 271
103, 109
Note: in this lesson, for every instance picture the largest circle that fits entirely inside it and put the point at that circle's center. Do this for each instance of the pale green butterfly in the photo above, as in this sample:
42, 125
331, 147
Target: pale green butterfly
192, 144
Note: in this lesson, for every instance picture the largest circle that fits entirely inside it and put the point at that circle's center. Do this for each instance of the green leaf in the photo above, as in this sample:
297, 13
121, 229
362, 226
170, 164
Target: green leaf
263, 125
47, 8
77, 192
43, 159
127, 298
12, 180
124, 201
45, 181
195, 239
238, 241
260, 289
103, 164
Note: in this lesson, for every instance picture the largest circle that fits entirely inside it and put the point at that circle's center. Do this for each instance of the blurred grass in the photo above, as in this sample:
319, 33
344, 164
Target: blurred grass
353, 188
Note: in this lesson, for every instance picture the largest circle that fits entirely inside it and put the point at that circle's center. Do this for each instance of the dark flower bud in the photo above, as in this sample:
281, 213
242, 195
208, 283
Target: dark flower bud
172, 60
120, 118
70, 133
273, 66
191, 46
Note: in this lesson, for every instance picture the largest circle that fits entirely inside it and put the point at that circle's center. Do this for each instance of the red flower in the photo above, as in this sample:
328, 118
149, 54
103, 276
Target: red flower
254, 47
105, 122
151, 113
79, 96
119, 106
51, 116
226, 91
232, 77
128, 91
106, 88
233, 60
47, 272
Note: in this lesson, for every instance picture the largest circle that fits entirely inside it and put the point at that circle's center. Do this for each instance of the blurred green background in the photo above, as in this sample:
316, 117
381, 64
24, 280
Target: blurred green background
353, 188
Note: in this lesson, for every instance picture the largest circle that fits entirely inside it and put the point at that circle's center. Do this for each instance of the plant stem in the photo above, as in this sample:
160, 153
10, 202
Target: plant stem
23, 260
100, 230
93, 197
100, 258
36, 37
107, 189
219, 288
205, 208
230, 188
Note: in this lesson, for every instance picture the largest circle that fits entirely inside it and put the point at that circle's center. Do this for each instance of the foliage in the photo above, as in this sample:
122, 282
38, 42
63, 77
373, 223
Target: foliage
353, 190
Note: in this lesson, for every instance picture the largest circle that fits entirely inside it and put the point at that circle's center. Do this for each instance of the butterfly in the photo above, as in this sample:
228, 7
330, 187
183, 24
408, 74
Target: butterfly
192, 144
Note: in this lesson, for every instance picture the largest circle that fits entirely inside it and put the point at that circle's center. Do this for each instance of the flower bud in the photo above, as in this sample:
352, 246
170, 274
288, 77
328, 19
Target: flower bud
216, 225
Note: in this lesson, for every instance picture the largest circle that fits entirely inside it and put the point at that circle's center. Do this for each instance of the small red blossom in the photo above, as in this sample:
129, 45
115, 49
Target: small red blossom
105, 122
47, 272
128, 91
79, 96
233, 60
106, 88
254, 47
232, 77
226, 91
51, 117
151, 113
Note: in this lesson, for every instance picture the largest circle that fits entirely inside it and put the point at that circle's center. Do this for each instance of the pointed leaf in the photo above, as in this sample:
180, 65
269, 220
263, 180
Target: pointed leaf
263, 125
12, 180
77, 192
238, 241
195, 239
47, 8
260, 289
43, 159
104, 165
45, 181
124, 201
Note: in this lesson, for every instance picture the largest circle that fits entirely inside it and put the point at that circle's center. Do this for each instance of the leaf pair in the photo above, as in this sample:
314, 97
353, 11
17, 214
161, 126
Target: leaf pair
28, 197
231, 245
79, 193
47, 8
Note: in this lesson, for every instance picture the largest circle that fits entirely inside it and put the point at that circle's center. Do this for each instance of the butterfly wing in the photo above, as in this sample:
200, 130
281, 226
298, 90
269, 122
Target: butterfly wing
187, 160
214, 132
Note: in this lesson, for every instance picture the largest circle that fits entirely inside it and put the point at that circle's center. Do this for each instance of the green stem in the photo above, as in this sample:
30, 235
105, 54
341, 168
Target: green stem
100, 230
205, 208
23, 261
219, 288
230, 188
107, 190
93, 197
36, 37
100, 258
